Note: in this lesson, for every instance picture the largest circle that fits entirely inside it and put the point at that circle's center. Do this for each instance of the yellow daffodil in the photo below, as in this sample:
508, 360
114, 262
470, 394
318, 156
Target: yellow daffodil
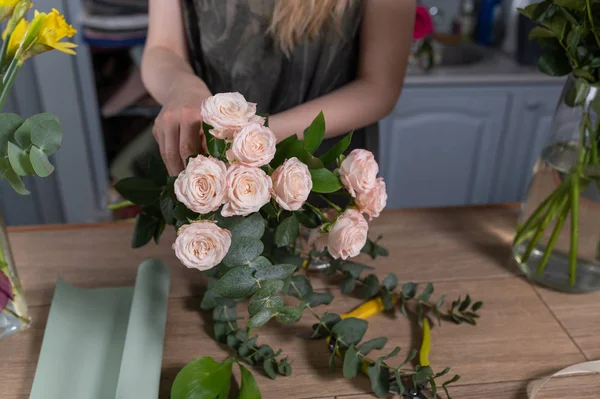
6, 8
43, 33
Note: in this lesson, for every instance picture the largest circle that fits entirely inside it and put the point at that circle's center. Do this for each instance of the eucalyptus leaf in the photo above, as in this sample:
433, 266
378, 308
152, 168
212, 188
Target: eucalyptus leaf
370, 287
261, 317
203, 378
409, 358
243, 251
270, 368
40, 162
348, 284
387, 298
352, 362
267, 289
338, 149
9, 123
222, 329
324, 181
46, 134
409, 290
47, 138
274, 303
15, 180
249, 388
289, 314
326, 324
287, 232
376, 343
354, 269
390, 282
380, 380
477, 306
317, 298
260, 262
426, 294
314, 134
237, 283
239, 226
278, 272
350, 330
224, 313
300, 287
19, 160
284, 367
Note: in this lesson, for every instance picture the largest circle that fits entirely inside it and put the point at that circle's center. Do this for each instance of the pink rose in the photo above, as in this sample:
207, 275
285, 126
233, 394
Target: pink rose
6, 291
373, 202
201, 186
202, 245
358, 172
423, 23
317, 239
227, 113
348, 235
248, 190
253, 145
291, 184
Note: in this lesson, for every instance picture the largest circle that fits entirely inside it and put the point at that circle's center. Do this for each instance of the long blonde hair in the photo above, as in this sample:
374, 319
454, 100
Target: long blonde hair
296, 21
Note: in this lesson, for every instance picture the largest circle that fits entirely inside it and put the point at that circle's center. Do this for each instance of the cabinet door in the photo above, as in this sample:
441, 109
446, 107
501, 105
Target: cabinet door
439, 146
530, 124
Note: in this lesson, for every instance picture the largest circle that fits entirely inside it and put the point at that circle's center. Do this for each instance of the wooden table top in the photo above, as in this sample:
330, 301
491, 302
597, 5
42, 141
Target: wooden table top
525, 331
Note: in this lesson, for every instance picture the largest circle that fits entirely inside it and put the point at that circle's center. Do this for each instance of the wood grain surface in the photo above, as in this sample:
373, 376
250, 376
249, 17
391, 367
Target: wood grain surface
525, 332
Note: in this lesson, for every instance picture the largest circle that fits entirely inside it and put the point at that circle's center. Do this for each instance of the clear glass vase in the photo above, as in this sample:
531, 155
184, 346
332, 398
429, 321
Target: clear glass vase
558, 237
14, 316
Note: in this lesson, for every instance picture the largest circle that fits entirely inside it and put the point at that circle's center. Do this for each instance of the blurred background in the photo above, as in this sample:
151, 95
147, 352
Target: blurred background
465, 132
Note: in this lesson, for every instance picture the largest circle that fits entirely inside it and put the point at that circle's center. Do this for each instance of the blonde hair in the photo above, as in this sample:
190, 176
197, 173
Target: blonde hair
296, 21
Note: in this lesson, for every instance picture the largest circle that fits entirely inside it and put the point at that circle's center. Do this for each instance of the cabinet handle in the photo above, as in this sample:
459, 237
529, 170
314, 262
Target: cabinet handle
531, 104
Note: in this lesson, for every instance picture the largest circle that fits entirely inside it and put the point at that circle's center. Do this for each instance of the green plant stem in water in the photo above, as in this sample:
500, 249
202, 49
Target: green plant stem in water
564, 211
574, 229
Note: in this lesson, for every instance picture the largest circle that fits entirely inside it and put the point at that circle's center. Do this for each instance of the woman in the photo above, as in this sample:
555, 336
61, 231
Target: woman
294, 58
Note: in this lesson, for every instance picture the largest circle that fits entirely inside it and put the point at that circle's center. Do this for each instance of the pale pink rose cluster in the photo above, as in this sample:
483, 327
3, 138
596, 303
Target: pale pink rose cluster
345, 239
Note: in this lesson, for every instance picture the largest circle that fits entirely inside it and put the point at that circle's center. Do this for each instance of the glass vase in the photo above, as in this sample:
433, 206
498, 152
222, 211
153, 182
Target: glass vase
14, 316
558, 235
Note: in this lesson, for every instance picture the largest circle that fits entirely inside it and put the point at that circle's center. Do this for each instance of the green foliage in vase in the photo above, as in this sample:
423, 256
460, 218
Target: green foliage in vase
266, 263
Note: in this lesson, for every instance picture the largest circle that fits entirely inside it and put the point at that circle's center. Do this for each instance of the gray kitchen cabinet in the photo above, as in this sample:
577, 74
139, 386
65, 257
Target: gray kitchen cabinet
439, 146
528, 129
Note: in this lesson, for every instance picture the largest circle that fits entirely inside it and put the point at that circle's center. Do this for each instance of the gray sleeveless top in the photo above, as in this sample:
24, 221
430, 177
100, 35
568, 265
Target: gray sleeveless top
231, 50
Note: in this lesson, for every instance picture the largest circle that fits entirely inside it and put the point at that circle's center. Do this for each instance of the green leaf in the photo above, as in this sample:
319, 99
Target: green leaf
276, 272
348, 284
249, 388
422, 375
352, 362
40, 162
9, 123
23, 135
390, 282
465, 304
350, 330
284, 368
314, 134
317, 298
477, 306
281, 151
433, 387
239, 226
138, 191
272, 302
441, 373
370, 287
203, 378
182, 214
209, 300
571, 4
308, 218
232, 341
224, 313
338, 149
555, 63
324, 181
300, 284
19, 160
14, 179
409, 290
259, 262
222, 329
401, 388
46, 134
426, 294
582, 89
267, 289
376, 343
387, 299
451, 381
355, 269
289, 314
269, 209
237, 283
380, 380
261, 317
145, 226
166, 208
325, 325
243, 251
409, 358
270, 368
287, 232
216, 147
540, 32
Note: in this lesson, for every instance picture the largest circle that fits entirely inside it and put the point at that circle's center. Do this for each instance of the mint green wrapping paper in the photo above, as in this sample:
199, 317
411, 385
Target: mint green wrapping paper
105, 343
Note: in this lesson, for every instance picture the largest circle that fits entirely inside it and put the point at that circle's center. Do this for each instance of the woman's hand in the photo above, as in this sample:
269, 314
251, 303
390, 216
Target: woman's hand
178, 127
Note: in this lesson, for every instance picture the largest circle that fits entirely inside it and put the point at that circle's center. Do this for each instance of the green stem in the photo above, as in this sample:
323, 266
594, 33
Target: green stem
582, 128
120, 205
524, 230
331, 204
317, 211
3, 51
8, 81
595, 136
574, 228
564, 211
590, 17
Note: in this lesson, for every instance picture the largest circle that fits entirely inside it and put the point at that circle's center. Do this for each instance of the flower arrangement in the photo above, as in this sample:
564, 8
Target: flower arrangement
240, 212
569, 32
25, 144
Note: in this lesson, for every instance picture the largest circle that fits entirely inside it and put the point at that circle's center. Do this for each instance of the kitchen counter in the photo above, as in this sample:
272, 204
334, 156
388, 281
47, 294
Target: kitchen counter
525, 331
496, 68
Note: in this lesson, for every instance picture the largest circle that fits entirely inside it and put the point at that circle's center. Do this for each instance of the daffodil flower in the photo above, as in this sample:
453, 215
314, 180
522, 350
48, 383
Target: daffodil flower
43, 33
6, 8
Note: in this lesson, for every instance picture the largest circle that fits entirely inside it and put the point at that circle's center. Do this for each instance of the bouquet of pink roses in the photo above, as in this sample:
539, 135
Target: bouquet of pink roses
239, 212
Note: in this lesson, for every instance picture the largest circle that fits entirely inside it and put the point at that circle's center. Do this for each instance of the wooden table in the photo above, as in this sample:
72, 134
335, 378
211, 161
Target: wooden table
525, 331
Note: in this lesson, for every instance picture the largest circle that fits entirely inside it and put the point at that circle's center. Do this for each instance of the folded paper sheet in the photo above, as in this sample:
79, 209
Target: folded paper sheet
105, 343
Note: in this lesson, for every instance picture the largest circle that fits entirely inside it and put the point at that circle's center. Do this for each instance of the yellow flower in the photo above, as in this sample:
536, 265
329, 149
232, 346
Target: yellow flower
43, 33
6, 8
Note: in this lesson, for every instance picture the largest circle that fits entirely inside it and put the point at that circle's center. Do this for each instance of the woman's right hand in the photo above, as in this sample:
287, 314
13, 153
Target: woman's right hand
178, 127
